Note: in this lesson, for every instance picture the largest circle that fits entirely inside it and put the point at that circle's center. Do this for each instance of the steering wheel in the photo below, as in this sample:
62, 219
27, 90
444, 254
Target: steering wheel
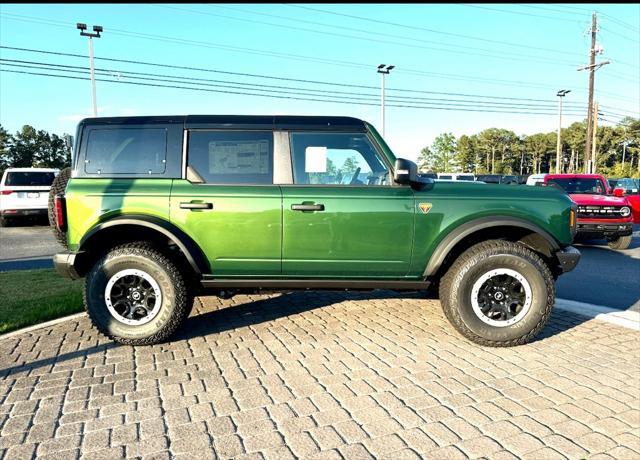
354, 179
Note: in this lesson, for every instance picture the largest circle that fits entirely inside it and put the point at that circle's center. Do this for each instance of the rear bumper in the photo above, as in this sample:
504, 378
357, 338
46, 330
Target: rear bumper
568, 258
605, 229
69, 264
23, 212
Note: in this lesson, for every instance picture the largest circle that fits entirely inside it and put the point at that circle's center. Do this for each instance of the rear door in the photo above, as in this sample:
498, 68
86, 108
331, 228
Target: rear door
342, 217
235, 213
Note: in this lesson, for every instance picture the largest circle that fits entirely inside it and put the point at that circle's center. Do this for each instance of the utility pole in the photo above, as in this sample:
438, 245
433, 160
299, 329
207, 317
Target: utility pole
562, 93
96, 34
592, 67
593, 140
383, 70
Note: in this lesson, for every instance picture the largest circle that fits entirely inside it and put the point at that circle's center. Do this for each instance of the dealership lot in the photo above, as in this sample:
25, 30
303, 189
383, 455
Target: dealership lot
322, 374
326, 374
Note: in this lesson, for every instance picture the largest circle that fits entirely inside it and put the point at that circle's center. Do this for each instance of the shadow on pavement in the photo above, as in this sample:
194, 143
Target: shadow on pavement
255, 312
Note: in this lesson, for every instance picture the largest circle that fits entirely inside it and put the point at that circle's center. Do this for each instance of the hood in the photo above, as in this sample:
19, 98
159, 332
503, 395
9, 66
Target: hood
590, 199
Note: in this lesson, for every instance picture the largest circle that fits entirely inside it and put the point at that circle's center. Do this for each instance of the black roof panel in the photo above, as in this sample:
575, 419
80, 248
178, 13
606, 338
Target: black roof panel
291, 122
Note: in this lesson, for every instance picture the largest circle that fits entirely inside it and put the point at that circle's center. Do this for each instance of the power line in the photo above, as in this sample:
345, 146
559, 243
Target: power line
271, 77
181, 41
118, 73
522, 112
424, 29
335, 34
489, 101
522, 13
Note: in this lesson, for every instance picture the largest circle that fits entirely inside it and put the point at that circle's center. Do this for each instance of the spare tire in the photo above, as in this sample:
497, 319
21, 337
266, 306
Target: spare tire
58, 187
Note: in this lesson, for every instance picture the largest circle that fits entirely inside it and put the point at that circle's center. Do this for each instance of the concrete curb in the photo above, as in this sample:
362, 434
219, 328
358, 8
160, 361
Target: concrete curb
35, 327
625, 318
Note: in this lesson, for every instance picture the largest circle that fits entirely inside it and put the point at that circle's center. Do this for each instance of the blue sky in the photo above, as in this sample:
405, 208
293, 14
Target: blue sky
448, 56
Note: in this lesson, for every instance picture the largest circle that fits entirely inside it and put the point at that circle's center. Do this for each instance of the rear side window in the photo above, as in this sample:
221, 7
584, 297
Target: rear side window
126, 151
232, 157
27, 178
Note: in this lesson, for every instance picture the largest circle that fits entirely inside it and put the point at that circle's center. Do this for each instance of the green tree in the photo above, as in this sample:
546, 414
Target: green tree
5, 142
441, 157
537, 147
424, 160
467, 153
32, 148
349, 167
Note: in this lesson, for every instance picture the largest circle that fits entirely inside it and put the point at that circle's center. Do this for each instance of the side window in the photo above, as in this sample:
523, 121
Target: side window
232, 157
126, 151
336, 159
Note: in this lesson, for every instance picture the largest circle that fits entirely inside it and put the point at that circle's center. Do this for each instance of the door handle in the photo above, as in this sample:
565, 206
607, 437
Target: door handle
196, 205
307, 207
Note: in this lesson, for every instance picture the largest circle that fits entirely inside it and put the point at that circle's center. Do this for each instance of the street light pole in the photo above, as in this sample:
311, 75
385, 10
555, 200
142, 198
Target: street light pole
96, 34
383, 70
562, 93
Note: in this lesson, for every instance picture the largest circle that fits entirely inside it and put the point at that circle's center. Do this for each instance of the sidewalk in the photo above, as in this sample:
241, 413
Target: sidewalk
322, 375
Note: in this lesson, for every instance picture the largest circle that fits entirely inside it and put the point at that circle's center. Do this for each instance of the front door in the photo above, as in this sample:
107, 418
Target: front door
342, 218
235, 213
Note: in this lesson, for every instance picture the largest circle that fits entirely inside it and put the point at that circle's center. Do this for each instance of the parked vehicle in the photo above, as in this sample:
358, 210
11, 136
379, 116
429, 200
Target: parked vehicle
24, 192
630, 188
456, 176
600, 213
160, 208
499, 179
535, 179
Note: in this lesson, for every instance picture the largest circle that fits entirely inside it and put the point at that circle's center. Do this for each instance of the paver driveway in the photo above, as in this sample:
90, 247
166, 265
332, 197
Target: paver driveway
323, 375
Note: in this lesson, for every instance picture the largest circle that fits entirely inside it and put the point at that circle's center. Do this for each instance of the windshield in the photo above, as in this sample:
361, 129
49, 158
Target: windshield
579, 185
26, 178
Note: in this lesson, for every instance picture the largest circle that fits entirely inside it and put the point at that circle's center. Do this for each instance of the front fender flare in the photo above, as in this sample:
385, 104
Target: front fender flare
457, 234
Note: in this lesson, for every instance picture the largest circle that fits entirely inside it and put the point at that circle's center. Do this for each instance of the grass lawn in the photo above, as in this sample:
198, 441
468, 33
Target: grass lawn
30, 297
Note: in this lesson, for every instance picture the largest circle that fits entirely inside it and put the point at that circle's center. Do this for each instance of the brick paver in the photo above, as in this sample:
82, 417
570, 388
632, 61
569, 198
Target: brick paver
322, 375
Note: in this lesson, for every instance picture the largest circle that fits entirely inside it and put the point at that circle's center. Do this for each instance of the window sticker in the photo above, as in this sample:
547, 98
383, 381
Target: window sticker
239, 157
315, 160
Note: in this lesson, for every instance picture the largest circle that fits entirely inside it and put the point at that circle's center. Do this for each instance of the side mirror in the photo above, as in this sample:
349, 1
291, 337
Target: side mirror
618, 192
405, 172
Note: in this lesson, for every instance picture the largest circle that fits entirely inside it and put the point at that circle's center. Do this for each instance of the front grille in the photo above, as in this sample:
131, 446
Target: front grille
599, 212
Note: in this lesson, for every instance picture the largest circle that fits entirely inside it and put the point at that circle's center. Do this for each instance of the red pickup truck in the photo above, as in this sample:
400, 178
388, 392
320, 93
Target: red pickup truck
600, 213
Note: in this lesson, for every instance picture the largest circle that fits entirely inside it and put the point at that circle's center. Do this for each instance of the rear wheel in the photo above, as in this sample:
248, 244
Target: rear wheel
498, 293
622, 242
136, 295
58, 187
4, 222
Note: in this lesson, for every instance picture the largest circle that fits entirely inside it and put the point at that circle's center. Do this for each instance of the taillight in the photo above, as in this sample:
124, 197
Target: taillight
60, 214
6, 192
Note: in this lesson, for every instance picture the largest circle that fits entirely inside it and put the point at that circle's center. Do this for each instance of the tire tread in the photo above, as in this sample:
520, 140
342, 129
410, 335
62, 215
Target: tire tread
491, 247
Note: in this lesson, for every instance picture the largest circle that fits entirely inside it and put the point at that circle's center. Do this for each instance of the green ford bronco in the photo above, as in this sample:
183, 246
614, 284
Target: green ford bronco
158, 209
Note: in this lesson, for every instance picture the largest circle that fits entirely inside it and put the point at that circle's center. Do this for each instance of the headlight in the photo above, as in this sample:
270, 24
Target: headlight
625, 211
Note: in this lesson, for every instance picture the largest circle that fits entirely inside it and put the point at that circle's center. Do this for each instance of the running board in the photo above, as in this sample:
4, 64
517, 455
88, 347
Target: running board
313, 284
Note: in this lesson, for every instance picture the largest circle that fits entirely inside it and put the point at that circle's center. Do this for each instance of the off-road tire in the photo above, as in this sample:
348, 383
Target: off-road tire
457, 283
58, 186
176, 302
622, 242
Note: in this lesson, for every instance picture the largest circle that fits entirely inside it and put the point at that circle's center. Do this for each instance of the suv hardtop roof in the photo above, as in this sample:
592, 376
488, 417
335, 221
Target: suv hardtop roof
573, 176
290, 122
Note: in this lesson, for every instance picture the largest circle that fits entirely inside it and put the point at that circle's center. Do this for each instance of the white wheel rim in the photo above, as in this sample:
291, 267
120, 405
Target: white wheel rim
133, 297
495, 301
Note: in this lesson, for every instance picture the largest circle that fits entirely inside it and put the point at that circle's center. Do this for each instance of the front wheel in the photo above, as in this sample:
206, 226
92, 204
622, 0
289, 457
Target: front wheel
622, 242
136, 296
498, 293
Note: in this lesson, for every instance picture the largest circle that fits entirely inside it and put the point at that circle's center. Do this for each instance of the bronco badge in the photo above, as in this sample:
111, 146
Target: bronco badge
425, 207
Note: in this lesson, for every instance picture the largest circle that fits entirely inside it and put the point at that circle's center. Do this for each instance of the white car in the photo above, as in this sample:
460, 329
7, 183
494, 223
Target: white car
457, 176
24, 192
534, 179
